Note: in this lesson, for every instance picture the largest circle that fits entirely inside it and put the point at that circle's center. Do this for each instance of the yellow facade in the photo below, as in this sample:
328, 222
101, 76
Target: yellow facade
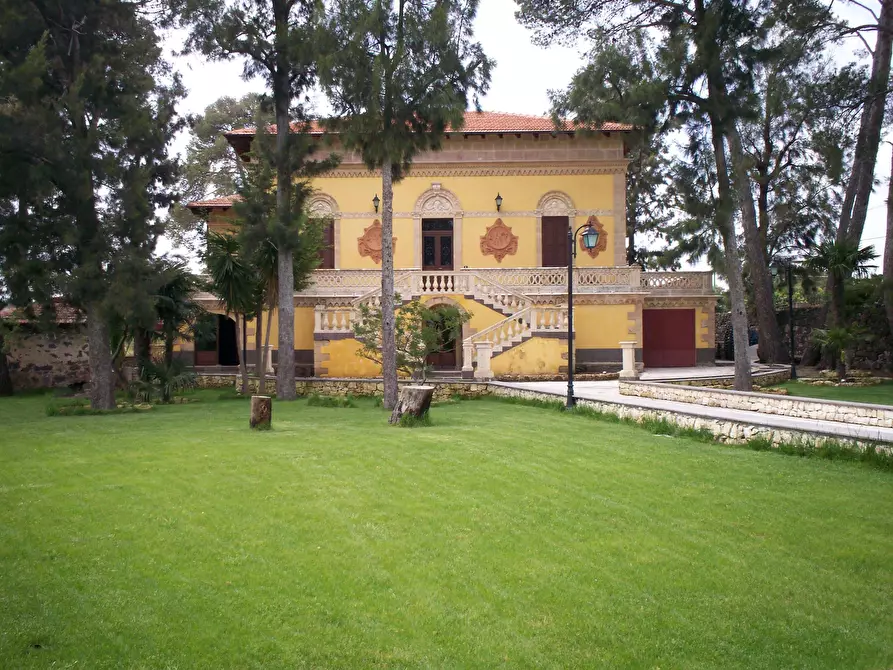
505, 274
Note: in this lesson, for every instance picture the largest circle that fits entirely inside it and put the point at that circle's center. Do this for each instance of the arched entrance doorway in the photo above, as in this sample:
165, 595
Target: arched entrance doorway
446, 334
215, 341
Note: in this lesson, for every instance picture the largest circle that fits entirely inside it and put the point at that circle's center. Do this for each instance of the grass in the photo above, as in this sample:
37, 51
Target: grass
879, 394
501, 535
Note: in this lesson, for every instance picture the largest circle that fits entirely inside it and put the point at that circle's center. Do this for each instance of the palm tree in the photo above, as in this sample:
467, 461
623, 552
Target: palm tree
175, 306
840, 261
233, 282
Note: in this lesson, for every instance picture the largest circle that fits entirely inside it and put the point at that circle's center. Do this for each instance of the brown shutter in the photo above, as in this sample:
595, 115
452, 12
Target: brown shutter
327, 250
555, 246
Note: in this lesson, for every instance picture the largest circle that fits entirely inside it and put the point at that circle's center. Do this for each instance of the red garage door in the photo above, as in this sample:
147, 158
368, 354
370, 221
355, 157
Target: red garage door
669, 338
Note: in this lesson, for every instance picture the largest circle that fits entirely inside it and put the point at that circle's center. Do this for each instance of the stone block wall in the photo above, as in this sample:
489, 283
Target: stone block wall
725, 431
762, 378
48, 360
878, 416
344, 387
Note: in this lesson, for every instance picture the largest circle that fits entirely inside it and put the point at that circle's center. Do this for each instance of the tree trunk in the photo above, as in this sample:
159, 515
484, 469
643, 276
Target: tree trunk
261, 412
5, 376
285, 378
861, 182
142, 351
169, 349
632, 217
243, 368
258, 338
414, 400
726, 226
102, 389
888, 258
772, 349
265, 355
388, 337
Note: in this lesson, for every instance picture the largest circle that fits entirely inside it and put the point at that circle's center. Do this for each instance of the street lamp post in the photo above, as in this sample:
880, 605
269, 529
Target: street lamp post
590, 240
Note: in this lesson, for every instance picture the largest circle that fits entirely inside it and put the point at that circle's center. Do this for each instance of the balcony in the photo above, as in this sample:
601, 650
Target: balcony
514, 287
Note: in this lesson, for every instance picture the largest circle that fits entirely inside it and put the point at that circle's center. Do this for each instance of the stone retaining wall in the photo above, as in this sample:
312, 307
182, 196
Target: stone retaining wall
878, 416
342, 387
762, 378
725, 431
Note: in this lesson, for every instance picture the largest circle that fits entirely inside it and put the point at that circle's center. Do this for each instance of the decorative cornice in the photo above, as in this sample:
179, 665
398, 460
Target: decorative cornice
490, 170
459, 214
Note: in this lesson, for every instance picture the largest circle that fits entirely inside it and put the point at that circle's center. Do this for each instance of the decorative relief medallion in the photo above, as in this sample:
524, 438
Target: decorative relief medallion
602, 238
499, 241
369, 243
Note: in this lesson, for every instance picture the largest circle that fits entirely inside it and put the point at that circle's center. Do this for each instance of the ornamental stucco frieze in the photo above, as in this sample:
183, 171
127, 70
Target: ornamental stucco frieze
613, 167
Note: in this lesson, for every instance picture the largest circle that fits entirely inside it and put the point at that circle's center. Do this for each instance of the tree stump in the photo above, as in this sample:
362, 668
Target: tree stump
261, 412
414, 400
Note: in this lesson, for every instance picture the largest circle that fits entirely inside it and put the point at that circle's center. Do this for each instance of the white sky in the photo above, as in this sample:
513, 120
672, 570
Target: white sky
523, 75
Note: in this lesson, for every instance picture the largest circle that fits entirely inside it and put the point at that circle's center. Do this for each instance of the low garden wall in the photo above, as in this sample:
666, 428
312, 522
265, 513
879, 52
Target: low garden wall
760, 377
723, 430
878, 416
344, 387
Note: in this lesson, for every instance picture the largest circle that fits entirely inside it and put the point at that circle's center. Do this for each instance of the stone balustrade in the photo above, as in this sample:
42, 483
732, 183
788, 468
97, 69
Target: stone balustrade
879, 416
517, 285
662, 283
334, 320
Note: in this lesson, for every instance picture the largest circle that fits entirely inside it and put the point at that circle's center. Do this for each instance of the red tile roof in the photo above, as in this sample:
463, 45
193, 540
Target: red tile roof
223, 202
480, 122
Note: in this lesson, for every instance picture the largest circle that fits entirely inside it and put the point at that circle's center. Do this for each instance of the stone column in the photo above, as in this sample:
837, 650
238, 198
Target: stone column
268, 354
629, 360
484, 351
467, 360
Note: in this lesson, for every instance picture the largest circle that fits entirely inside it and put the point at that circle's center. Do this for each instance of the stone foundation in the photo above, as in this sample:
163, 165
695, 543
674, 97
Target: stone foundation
878, 416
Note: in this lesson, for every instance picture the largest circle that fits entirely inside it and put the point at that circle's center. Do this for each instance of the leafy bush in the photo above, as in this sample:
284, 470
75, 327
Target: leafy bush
162, 381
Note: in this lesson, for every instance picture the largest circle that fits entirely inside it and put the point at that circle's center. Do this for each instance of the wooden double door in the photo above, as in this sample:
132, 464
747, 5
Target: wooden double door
437, 244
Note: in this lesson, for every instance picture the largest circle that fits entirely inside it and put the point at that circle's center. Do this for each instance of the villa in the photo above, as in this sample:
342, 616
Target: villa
483, 224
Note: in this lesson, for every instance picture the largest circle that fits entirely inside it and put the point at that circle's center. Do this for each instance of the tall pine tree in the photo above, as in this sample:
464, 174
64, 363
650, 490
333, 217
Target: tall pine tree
277, 40
398, 75
78, 219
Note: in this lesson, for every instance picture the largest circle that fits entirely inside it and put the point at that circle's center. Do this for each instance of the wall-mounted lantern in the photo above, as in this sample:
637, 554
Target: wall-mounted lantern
498, 202
376, 202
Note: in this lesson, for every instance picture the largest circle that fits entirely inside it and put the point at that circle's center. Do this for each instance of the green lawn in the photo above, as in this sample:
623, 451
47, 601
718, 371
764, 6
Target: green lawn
503, 535
880, 394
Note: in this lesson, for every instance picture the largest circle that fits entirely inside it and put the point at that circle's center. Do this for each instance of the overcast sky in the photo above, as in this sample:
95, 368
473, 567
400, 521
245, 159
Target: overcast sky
523, 75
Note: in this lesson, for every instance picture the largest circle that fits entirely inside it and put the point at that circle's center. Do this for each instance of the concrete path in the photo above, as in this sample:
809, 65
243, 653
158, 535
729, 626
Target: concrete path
608, 392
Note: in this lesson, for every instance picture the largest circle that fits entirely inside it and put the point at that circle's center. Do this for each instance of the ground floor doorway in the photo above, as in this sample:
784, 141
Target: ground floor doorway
215, 342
